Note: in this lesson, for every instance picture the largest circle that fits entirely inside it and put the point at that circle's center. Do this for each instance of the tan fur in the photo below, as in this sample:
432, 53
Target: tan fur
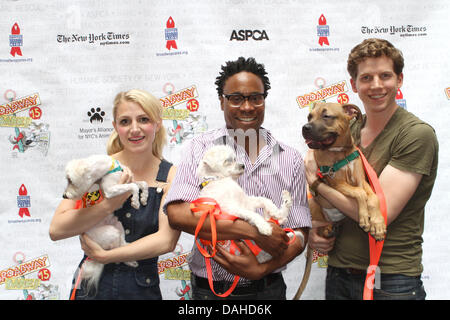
330, 122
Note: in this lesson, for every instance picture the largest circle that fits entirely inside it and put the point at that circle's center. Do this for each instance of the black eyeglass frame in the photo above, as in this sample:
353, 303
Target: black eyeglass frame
245, 98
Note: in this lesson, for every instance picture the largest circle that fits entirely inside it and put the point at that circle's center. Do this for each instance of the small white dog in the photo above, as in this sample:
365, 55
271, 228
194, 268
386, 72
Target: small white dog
104, 171
218, 171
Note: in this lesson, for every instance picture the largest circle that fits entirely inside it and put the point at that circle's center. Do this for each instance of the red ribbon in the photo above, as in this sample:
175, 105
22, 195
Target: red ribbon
23, 211
171, 43
323, 22
209, 207
15, 30
375, 247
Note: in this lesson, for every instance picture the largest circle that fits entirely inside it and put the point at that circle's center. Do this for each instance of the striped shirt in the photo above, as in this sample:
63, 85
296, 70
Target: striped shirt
278, 167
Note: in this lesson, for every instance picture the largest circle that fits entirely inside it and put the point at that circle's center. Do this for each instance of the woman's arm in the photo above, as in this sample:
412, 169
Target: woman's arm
153, 245
68, 222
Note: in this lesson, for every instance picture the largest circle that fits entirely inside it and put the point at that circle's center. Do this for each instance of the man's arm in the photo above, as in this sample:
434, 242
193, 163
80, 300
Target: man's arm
246, 265
398, 187
182, 218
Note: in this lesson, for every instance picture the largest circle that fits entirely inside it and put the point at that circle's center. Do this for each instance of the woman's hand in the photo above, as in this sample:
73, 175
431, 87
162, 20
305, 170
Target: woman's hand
93, 250
316, 242
310, 167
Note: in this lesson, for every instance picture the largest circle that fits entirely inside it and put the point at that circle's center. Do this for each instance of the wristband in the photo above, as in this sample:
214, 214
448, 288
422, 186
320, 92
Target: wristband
313, 187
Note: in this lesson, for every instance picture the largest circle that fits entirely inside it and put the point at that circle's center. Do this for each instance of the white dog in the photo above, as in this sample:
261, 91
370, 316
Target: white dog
218, 171
104, 171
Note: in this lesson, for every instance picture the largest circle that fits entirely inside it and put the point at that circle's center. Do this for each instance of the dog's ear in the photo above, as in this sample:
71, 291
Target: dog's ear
352, 111
204, 168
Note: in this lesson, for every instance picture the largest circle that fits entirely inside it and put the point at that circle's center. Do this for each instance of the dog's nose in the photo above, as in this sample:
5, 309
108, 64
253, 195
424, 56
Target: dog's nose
65, 196
241, 166
307, 127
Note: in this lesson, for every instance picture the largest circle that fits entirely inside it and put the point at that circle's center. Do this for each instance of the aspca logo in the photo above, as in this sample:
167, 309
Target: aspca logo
244, 35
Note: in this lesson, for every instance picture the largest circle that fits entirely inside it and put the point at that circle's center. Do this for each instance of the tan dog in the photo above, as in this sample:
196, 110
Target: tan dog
328, 133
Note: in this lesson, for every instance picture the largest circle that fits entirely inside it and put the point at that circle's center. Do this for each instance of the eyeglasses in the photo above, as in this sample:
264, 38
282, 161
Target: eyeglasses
236, 99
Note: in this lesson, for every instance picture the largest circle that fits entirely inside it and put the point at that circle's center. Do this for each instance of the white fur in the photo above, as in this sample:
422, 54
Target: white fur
219, 166
82, 174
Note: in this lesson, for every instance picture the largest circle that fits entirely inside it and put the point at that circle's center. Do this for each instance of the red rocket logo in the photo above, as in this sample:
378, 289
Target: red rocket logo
171, 34
23, 201
323, 31
15, 40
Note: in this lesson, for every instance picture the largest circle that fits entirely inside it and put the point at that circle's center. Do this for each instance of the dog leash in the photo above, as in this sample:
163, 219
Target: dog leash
209, 207
375, 247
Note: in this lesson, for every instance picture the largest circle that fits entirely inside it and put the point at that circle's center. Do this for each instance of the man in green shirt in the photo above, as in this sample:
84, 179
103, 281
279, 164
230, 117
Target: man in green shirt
403, 150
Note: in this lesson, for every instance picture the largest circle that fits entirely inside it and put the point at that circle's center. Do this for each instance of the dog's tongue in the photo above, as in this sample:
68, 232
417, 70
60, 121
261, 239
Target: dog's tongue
312, 144
327, 141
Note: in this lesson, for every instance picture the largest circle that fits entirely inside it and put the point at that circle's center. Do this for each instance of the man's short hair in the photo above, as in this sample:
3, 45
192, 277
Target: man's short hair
374, 48
242, 64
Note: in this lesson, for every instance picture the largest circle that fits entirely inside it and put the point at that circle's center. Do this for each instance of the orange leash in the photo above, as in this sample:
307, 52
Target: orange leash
209, 207
375, 247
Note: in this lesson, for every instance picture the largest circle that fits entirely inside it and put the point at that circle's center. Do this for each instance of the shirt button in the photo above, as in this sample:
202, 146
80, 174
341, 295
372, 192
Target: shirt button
127, 231
148, 280
128, 215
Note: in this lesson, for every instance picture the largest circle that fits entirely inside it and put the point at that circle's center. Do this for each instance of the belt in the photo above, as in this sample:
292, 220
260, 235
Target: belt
351, 271
244, 289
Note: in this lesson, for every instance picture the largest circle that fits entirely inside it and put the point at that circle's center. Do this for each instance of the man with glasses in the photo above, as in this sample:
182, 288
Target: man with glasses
270, 167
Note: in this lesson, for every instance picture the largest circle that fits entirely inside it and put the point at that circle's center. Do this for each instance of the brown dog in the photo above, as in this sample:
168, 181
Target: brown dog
328, 133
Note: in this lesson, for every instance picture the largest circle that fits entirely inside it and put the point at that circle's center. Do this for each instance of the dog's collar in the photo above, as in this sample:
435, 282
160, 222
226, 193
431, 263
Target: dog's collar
207, 180
329, 171
115, 166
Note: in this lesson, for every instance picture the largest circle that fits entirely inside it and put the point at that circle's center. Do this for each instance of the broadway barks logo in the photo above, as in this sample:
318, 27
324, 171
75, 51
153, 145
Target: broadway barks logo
322, 94
21, 115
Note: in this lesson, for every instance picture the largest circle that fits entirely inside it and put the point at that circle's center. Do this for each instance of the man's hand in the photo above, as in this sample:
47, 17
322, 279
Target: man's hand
276, 243
244, 265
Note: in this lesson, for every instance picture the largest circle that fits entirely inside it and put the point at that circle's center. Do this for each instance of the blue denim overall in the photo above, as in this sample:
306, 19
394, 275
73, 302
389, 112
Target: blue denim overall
119, 281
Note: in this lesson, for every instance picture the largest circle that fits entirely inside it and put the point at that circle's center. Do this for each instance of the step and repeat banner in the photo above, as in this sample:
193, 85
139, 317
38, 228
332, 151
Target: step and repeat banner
62, 63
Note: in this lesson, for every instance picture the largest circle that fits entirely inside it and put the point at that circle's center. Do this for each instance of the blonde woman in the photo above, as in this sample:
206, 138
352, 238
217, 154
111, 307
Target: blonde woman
136, 142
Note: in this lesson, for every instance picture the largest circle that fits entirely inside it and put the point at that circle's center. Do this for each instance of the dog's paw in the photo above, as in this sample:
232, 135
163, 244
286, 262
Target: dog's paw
144, 197
364, 222
135, 203
132, 264
286, 200
377, 227
265, 228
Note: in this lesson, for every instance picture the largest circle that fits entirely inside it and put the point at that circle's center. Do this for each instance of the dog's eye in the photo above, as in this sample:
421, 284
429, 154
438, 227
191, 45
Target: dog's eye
328, 117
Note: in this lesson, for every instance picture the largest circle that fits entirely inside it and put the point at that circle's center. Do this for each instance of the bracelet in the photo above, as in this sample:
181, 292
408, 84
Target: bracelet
313, 187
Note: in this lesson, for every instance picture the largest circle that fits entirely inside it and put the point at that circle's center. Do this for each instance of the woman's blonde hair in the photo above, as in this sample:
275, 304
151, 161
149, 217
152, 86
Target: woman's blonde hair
152, 108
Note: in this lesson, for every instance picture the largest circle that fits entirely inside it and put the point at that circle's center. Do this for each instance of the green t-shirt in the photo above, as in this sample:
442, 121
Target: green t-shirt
408, 144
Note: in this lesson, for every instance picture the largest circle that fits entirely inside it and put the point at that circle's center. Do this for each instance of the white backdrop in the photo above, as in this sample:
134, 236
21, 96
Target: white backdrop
63, 62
